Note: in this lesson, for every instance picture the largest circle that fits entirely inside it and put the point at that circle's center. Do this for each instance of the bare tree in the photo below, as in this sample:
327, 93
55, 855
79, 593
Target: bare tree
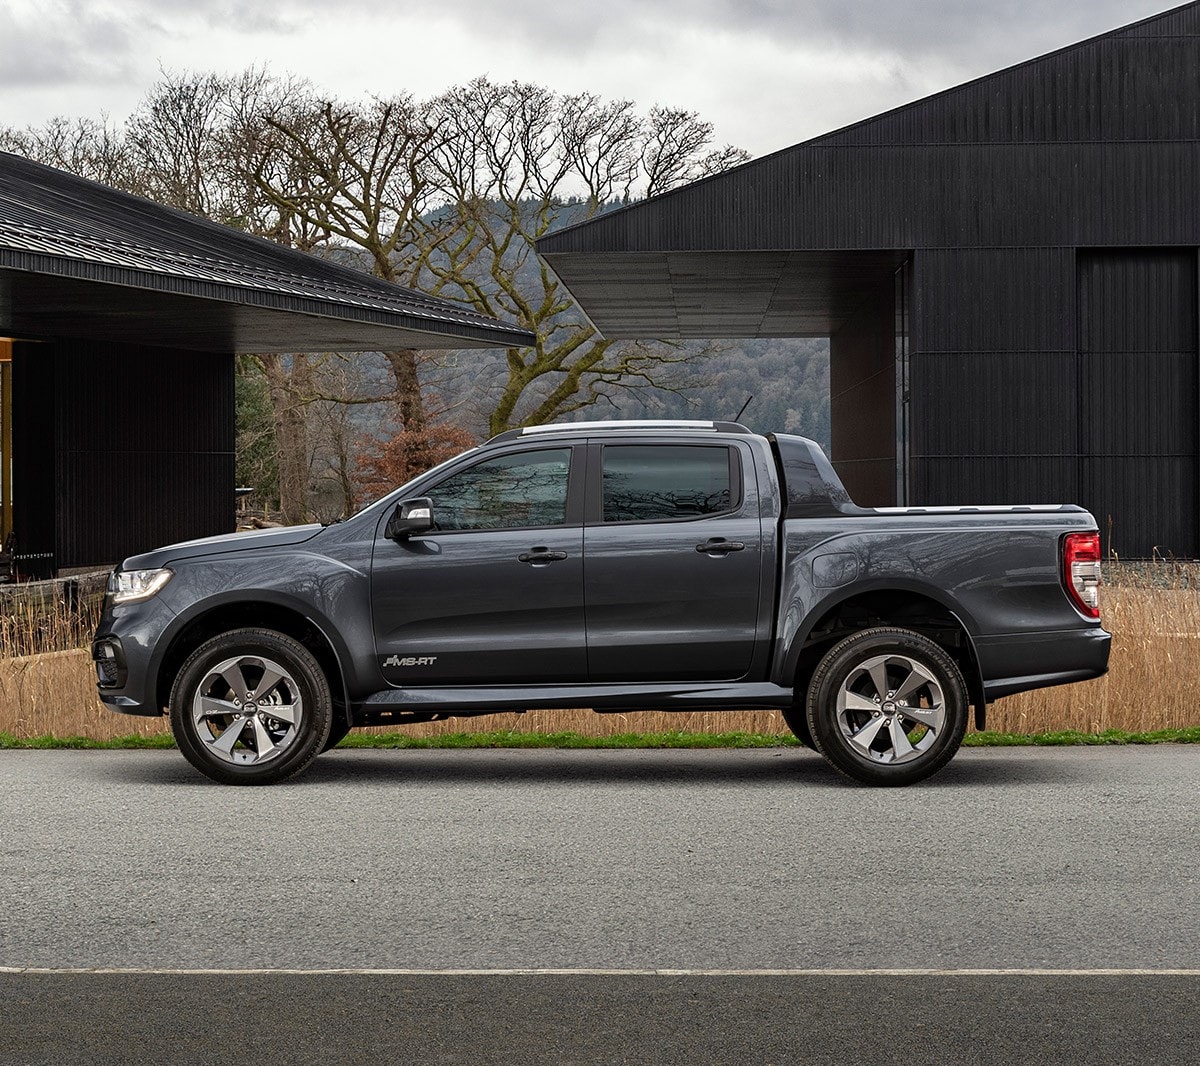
173, 143
348, 405
449, 197
674, 151
515, 161
356, 176
87, 147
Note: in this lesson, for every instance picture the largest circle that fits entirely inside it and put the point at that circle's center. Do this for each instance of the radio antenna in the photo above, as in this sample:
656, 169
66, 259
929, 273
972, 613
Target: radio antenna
743, 407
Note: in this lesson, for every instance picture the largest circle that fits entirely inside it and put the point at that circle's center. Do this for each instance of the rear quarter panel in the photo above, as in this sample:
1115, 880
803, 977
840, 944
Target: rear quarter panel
999, 573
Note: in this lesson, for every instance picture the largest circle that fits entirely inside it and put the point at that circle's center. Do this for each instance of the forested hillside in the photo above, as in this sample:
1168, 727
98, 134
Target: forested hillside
786, 381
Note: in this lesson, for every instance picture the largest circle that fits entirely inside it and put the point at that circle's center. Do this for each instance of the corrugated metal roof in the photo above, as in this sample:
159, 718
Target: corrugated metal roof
55, 224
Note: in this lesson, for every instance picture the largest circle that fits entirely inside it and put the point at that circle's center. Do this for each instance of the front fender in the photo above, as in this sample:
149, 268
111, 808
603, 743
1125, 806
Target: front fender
330, 595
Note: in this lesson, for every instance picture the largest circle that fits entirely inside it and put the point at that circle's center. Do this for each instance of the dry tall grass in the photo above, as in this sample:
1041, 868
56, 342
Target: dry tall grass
54, 693
47, 684
1154, 672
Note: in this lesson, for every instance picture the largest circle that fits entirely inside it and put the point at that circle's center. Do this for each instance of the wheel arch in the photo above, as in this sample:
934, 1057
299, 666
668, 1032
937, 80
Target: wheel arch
906, 606
266, 613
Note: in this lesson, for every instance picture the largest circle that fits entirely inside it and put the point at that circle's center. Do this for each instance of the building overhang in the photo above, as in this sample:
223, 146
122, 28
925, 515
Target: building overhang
79, 259
712, 294
42, 305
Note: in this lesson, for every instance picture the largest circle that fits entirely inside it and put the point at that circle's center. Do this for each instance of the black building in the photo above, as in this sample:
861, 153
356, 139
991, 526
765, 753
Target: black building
1007, 272
119, 321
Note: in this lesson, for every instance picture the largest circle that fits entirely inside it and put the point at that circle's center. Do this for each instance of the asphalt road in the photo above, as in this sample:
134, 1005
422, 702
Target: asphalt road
753, 874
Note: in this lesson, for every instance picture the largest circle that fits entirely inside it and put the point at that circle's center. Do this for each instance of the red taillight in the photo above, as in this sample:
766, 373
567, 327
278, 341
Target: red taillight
1081, 571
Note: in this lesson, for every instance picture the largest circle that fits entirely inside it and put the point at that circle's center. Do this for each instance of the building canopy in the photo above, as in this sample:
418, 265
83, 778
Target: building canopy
78, 259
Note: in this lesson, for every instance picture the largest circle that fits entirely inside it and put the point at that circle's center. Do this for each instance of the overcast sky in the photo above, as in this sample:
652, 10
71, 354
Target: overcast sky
767, 73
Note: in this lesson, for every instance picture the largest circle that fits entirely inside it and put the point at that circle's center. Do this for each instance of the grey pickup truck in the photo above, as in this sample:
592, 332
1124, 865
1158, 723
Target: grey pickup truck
621, 566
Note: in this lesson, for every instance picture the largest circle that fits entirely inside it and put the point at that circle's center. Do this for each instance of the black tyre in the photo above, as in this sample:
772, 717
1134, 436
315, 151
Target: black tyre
796, 717
251, 707
887, 707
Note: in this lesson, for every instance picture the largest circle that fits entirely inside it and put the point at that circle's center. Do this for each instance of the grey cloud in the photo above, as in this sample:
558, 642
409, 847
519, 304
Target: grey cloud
937, 25
40, 62
285, 17
965, 33
69, 44
80, 43
952, 29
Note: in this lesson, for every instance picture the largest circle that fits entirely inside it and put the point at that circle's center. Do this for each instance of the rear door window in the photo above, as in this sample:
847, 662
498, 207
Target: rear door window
655, 483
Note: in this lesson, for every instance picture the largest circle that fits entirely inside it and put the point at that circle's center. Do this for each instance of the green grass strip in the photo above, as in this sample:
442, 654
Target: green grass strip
671, 739
1071, 737
7, 740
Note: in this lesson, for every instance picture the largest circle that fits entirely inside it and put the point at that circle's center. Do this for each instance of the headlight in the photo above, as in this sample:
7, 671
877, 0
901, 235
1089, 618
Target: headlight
133, 586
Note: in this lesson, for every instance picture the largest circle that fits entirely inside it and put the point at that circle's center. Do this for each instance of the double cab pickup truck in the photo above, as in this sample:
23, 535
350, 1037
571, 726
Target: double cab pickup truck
621, 566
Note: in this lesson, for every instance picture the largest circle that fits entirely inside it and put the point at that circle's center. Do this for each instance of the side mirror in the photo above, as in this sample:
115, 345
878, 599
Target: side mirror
409, 517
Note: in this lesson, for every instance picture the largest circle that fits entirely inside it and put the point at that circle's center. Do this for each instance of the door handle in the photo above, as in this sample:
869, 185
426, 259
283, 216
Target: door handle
541, 555
720, 546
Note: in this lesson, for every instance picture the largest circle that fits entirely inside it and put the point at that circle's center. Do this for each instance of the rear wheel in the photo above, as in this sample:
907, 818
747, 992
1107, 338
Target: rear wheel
251, 707
887, 706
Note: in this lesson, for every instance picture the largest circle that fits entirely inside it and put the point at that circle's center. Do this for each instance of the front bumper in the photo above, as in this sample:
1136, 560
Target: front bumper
127, 651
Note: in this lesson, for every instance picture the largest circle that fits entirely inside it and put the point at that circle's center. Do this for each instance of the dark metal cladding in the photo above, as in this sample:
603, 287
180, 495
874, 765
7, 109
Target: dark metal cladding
104, 432
1138, 353
1043, 223
862, 385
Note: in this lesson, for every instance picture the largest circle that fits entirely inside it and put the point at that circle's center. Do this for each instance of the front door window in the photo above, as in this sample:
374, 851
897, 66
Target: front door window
525, 490
493, 594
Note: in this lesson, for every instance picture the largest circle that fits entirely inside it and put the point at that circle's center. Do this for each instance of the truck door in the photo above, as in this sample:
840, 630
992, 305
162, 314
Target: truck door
673, 551
494, 594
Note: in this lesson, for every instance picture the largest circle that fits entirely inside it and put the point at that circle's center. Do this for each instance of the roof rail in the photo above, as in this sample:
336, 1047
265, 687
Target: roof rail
608, 425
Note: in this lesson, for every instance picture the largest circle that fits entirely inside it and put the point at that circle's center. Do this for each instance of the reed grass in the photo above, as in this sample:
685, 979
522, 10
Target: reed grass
47, 684
1153, 681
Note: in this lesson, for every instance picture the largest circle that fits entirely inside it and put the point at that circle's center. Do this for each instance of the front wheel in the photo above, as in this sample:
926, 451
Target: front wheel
251, 707
887, 706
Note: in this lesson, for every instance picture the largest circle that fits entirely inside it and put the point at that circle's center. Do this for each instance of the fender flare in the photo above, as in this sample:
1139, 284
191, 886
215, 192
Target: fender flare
197, 611
974, 676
